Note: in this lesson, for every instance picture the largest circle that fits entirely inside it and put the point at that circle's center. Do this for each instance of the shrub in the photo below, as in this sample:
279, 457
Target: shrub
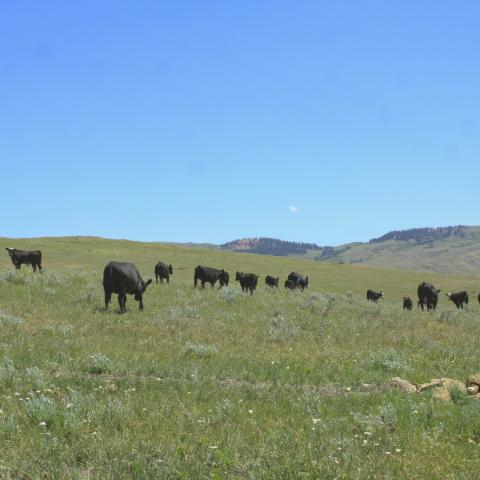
99, 363
228, 295
9, 320
389, 360
35, 377
199, 350
41, 408
281, 329
7, 373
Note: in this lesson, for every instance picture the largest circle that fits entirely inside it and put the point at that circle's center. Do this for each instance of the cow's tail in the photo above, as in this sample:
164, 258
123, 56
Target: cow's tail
195, 278
466, 299
40, 260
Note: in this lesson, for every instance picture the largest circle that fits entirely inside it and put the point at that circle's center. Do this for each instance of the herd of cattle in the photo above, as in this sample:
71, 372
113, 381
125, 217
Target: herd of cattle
123, 278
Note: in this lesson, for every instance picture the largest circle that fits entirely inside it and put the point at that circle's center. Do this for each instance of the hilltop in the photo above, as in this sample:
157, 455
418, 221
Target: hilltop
270, 246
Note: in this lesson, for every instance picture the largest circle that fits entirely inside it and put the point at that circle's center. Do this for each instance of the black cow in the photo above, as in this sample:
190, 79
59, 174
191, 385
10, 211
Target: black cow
374, 296
123, 278
427, 296
300, 281
210, 275
458, 298
27, 257
407, 303
248, 281
163, 271
271, 281
290, 284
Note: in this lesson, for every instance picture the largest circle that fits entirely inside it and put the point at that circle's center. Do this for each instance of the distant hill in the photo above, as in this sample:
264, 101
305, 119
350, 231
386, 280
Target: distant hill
270, 246
424, 235
453, 249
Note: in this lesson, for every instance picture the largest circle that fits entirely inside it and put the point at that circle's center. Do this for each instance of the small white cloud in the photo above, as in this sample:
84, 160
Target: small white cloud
293, 209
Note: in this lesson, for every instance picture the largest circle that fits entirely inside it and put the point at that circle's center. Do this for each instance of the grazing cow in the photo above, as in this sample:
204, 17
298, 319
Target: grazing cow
407, 303
300, 281
27, 257
123, 278
271, 281
210, 275
458, 298
374, 296
427, 296
163, 271
248, 281
290, 284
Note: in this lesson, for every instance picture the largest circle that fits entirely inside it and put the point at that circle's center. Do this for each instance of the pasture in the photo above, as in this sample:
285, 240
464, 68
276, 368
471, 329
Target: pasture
219, 384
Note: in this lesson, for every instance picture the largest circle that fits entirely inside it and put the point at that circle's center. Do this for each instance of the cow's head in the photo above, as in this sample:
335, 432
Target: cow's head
141, 290
10, 250
276, 281
381, 294
449, 295
170, 270
237, 276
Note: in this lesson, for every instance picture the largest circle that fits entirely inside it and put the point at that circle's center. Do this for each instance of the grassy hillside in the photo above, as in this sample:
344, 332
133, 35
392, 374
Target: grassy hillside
456, 255
218, 384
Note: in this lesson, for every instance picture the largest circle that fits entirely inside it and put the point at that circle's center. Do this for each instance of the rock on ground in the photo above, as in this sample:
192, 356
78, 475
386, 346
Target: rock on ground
403, 385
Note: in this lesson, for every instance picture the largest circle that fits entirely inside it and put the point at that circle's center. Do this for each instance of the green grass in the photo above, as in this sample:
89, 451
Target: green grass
219, 384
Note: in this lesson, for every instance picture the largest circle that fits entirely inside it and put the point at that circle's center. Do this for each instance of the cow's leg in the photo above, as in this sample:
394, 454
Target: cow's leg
140, 304
108, 297
156, 278
168, 279
120, 302
122, 299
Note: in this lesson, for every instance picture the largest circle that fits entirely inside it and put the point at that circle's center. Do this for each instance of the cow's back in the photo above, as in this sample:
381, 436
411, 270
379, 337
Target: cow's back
121, 276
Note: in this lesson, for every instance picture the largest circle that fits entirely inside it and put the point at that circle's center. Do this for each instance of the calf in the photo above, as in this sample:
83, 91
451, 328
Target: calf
210, 275
271, 281
458, 298
374, 296
248, 281
300, 281
123, 278
163, 271
427, 296
407, 303
27, 257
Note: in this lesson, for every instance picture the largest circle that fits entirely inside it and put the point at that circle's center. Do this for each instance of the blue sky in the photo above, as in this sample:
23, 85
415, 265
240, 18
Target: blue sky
207, 121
